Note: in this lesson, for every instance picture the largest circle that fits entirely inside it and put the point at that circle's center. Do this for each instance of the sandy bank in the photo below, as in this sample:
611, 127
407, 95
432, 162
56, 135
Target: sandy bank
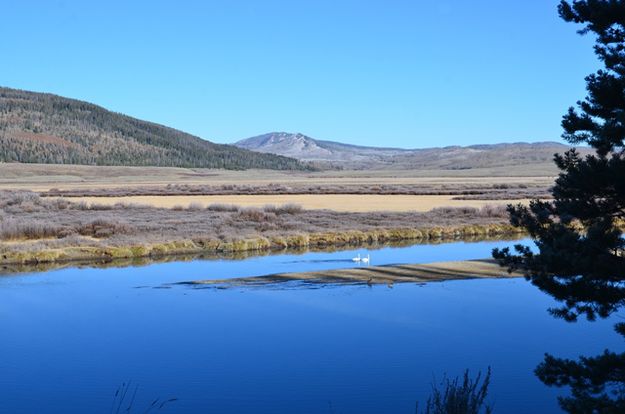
371, 275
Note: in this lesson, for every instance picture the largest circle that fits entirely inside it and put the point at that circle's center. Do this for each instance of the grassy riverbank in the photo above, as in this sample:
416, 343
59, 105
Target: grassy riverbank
35, 229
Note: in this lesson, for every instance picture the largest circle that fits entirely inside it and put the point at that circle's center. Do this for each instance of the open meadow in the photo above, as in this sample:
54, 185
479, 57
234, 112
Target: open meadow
56, 212
312, 207
43, 177
356, 191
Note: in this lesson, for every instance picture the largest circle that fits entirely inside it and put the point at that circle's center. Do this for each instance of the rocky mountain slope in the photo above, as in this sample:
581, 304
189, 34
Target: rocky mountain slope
306, 148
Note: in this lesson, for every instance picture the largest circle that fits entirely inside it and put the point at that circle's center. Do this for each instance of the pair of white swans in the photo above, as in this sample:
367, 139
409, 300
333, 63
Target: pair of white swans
361, 259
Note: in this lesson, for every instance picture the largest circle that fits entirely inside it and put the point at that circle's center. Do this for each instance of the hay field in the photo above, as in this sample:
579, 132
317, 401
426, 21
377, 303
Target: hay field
335, 202
44, 177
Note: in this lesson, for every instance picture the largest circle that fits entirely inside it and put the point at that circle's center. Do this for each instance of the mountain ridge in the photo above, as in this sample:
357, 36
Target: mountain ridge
305, 148
38, 127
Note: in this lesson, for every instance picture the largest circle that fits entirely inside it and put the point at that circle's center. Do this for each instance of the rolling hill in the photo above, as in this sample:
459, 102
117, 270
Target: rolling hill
304, 148
45, 128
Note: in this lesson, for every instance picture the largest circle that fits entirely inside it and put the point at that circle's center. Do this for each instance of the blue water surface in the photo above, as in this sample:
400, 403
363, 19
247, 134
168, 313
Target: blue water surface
70, 337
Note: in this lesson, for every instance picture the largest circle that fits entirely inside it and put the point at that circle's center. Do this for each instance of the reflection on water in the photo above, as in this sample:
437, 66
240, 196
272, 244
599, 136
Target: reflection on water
597, 383
71, 336
586, 284
321, 261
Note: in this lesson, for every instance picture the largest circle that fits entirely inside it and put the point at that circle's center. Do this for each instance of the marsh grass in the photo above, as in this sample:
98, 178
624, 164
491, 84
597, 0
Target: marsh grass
459, 396
45, 229
16, 229
125, 401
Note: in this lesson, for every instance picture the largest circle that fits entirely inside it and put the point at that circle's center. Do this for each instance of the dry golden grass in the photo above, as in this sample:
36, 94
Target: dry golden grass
336, 202
42, 177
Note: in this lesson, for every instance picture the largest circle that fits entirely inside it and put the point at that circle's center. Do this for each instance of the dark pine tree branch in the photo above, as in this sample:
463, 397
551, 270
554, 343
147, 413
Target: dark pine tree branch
579, 235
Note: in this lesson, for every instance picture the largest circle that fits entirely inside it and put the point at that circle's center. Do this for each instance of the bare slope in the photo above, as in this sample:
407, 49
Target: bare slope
45, 128
302, 147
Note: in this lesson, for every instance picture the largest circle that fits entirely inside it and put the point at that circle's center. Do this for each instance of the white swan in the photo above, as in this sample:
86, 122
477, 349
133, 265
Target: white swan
356, 259
365, 259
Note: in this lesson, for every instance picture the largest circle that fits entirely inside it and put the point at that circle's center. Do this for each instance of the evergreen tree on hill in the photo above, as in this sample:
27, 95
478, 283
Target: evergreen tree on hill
45, 128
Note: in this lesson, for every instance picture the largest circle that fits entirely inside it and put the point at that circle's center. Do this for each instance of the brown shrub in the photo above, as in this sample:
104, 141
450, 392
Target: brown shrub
60, 204
255, 215
195, 206
490, 210
100, 228
223, 207
101, 207
283, 209
455, 211
81, 205
11, 198
11, 229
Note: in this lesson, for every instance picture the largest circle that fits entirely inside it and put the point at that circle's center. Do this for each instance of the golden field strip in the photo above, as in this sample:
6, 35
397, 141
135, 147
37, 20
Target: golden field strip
336, 202
43, 177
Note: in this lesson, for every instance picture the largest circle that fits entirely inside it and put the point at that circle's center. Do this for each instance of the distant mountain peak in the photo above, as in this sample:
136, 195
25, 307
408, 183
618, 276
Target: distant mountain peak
297, 144
305, 148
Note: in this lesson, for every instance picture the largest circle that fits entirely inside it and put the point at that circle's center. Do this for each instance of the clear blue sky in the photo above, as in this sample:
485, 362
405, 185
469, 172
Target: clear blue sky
401, 73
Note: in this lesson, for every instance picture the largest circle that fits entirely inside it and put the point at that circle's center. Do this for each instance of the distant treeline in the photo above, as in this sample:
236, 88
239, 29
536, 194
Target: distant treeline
45, 128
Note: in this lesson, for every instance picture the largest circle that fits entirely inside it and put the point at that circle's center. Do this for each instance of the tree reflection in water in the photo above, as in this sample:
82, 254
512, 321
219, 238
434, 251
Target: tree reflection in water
580, 258
597, 383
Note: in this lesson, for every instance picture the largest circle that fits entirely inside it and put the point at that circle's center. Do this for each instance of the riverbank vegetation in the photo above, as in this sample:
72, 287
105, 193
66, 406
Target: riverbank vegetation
110, 262
35, 229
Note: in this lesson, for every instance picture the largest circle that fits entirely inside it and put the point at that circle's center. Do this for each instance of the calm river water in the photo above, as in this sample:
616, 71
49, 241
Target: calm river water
71, 337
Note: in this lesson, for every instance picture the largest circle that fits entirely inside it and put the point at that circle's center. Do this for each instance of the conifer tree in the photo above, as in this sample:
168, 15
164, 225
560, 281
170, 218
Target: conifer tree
578, 235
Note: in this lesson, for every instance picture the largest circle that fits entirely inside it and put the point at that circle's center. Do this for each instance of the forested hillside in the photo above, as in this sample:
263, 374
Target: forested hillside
45, 128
